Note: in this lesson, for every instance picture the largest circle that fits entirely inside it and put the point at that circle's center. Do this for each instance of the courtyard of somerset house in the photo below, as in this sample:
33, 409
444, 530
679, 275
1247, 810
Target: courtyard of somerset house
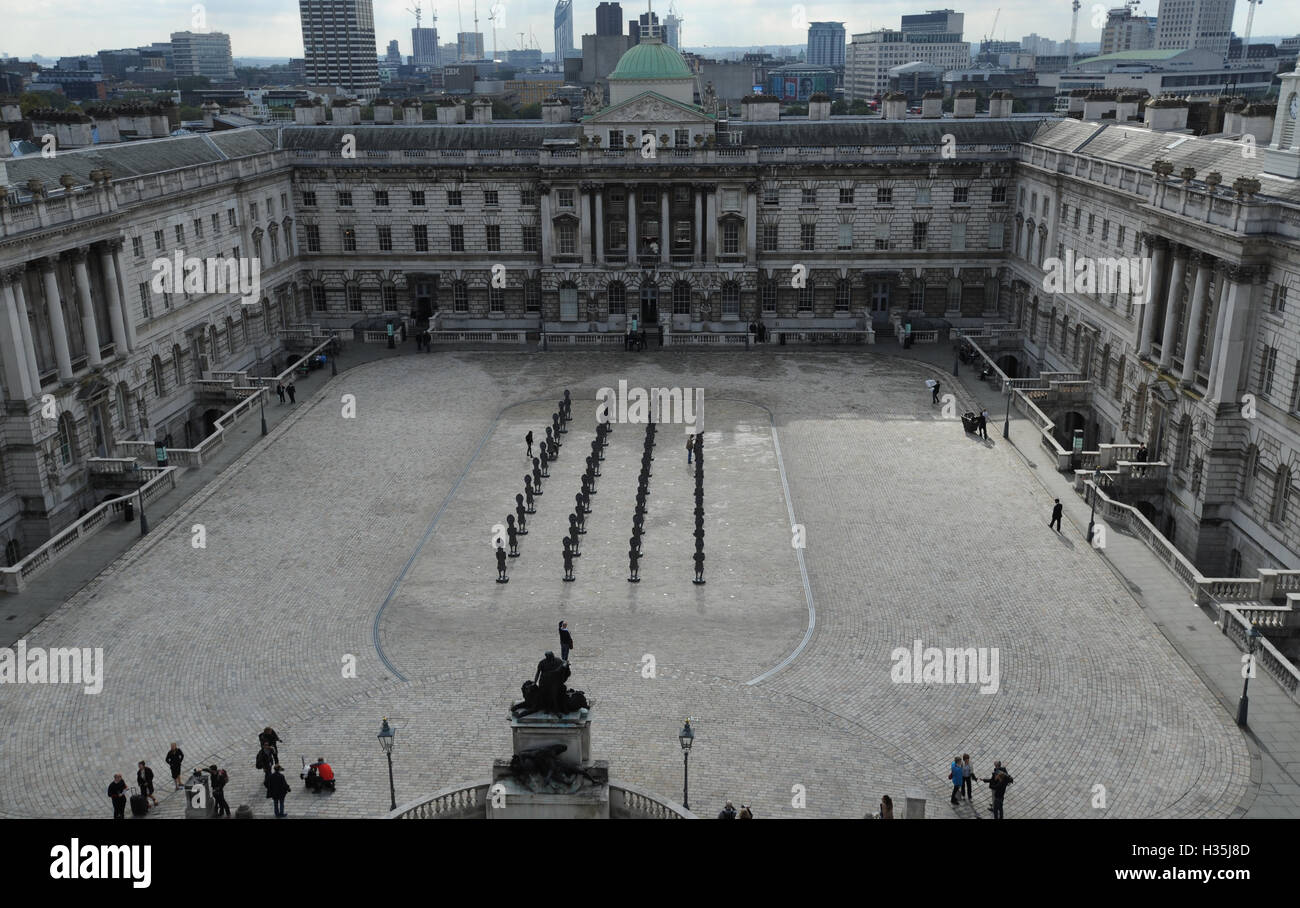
882, 590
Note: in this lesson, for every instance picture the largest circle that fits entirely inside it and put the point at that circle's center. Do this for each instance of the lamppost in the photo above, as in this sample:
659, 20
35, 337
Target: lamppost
144, 521
1006, 421
261, 401
956, 356
386, 736
334, 353
1092, 516
1243, 705
687, 738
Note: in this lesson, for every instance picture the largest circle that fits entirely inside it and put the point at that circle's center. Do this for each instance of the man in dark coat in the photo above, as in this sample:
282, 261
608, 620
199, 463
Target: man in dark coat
998, 783
566, 641
277, 790
219, 779
117, 792
175, 760
144, 779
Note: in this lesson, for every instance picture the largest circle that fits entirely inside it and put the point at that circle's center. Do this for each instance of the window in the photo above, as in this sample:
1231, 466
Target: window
616, 139
564, 198
284, 201
681, 138
1033, 203
1105, 230
767, 292
846, 236
385, 238
308, 198
1279, 298
1281, 493
388, 295
998, 195
806, 297
528, 197
496, 299
381, 198
568, 303
313, 237
682, 236
616, 296
1268, 365
919, 231
1065, 210
730, 300
198, 228
457, 234
770, 237
916, 295
349, 238
491, 197
1022, 197
923, 195
960, 194
216, 224
730, 238
157, 378
420, 234
158, 240
345, 199
807, 237
532, 296
771, 195
846, 195
318, 300
144, 301
882, 236
532, 238
137, 247
884, 195
880, 296
997, 234
681, 298
731, 198
354, 298
843, 296
417, 198
958, 237
493, 238
808, 197
1077, 215
230, 218
252, 211
1119, 236
460, 297
568, 240
453, 198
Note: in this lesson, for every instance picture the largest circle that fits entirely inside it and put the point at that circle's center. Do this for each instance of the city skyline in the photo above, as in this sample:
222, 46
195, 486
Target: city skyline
272, 28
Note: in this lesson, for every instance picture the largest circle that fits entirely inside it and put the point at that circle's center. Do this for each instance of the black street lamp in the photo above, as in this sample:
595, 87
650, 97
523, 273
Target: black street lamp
1243, 705
1006, 421
144, 521
687, 738
334, 352
386, 737
261, 402
1092, 517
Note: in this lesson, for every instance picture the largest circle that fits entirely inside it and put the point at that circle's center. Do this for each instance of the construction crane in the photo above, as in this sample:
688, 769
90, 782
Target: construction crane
1074, 30
1250, 20
993, 32
497, 12
417, 12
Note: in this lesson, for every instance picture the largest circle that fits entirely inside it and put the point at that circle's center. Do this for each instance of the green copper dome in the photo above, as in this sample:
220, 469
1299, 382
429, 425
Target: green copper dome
651, 60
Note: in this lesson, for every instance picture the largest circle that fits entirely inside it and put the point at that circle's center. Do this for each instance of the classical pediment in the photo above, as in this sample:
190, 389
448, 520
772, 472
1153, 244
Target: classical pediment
648, 107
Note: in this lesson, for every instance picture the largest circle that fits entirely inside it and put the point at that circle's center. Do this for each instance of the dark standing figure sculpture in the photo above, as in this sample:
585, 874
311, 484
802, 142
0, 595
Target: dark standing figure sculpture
537, 477
528, 493
573, 539
519, 515
501, 563
545, 461
568, 560
633, 565
699, 567
529, 439
513, 532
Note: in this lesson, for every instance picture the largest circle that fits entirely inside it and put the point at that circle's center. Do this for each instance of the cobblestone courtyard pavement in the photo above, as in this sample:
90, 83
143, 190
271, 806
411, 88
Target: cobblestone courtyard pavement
369, 538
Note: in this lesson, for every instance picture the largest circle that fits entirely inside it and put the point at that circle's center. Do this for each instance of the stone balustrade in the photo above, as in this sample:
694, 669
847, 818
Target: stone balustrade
469, 802
478, 337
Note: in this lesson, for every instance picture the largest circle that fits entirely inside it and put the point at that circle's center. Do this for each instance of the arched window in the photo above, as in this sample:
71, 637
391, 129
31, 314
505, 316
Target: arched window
68, 454
730, 300
806, 296
178, 365
1184, 455
843, 296
460, 297
1281, 493
13, 552
616, 295
681, 298
156, 373
230, 334
1249, 472
916, 295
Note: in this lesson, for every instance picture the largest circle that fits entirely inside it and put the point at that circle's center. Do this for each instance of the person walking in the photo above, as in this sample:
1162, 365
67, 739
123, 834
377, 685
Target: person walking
279, 390
144, 778
293, 390
219, 778
1056, 516
983, 424
117, 793
955, 773
268, 736
998, 783
277, 790
690, 447
266, 762
967, 775
566, 641
886, 807
934, 393
175, 760
727, 813
528, 439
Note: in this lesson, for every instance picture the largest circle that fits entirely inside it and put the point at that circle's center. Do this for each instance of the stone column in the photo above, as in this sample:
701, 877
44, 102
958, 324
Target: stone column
17, 375
697, 244
544, 196
1224, 383
1220, 303
665, 251
25, 324
1172, 297
751, 224
600, 225
584, 222
114, 301
128, 319
1200, 296
1157, 247
710, 227
87, 305
633, 249
58, 330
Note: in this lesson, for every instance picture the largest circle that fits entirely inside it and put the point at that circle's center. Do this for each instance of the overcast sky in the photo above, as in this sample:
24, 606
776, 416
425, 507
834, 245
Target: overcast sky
271, 28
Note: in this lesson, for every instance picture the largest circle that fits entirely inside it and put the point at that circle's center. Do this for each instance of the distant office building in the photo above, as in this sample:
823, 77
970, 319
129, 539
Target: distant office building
394, 56
609, 19
338, 37
424, 46
673, 31
644, 26
826, 43
563, 29
469, 46
600, 54
534, 88
800, 81
528, 57
1190, 24
872, 55
935, 22
203, 54
1038, 46
1125, 31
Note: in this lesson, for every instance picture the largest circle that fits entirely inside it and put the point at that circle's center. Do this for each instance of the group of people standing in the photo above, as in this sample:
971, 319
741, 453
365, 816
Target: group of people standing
290, 389
962, 775
516, 524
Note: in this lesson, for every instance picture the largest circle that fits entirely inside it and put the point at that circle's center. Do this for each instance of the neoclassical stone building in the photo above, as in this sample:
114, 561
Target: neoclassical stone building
651, 206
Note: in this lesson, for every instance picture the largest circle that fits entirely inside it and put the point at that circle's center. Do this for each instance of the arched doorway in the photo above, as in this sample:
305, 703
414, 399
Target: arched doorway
210, 418
649, 304
1070, 422
1009, 365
